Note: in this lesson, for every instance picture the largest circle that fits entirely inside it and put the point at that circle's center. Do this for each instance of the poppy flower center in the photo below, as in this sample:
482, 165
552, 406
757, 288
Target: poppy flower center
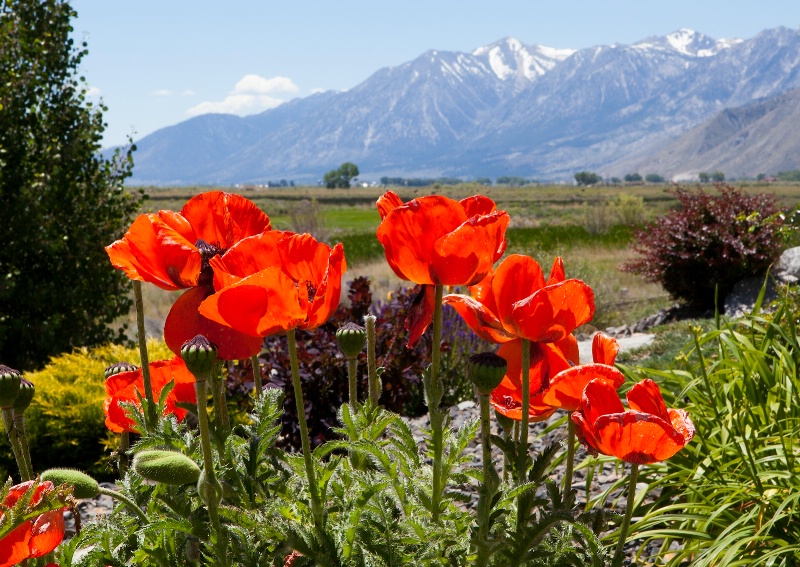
207, 251
312, 290
510, 403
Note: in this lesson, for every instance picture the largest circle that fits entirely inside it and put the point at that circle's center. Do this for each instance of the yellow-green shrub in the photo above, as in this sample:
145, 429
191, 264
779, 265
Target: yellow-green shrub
65, 421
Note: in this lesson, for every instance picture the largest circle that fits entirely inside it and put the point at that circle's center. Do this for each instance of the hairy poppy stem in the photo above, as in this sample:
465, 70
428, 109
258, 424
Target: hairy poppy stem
123, 462
150, 411
127, 501
623, 530
434, 396
208, 486
13, 439
22, 435
316, 508
570, 456
256, 375
488, 487
522, 454
220, 398
352, 376
372, 369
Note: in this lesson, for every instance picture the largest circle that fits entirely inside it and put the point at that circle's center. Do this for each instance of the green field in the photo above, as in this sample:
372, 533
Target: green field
575, 223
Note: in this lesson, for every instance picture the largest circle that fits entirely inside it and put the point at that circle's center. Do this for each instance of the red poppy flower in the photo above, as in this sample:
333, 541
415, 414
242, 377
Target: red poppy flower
129, 387
516, 301
565, 389
168, 249
297, 288
173, 251
646, 433
546, 360
36, 537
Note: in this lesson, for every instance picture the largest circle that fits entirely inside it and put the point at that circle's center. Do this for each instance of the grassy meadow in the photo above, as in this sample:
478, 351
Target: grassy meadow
590, 228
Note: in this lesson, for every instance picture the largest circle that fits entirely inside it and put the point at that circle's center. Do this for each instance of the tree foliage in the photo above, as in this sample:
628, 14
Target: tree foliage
586, 178
340, 178
61, 201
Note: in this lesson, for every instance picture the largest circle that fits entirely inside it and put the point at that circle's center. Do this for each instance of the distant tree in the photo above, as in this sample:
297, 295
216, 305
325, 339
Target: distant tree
284, 183
61, 201
483, 181
511, 180
291, 183
341, 178
761, 177
653, 178
586, 178
704, 177
718, 177
791, 175
616, 180
633, 178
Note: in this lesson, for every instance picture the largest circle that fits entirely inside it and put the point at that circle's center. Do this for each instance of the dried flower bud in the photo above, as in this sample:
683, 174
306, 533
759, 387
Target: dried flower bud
351, 339
9, 386
486, 370
119, 368
24, 396
200, 355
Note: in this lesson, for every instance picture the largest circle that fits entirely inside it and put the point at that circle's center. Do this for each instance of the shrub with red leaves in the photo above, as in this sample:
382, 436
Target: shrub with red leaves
323, 370
713, 240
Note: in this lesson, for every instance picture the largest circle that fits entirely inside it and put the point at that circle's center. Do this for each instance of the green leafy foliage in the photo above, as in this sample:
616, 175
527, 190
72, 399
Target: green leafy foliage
731, 496
341, 178
61, 202
711, 243
66, 414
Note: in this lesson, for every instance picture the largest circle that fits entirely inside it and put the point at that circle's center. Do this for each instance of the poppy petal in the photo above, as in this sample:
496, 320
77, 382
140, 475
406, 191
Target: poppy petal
184, 322
420, 315
600, 398
465, 255
553, 312
682, 424
15, 546
262, 304
478, 205
569, 347
645, 396
388, 202
409, 232
222, 219
556, 272
566, 388
604, 349
637, 437
478, 318
246, 257
328, 290
516, 278
47, 532
154, 252
585, 433
507, 397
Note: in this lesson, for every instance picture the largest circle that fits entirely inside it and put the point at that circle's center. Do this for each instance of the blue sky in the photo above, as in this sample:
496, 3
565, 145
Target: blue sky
158, 62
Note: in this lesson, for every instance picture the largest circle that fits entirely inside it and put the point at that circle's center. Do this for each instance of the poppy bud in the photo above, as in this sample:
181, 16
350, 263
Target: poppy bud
167, 467
83, 485
119, 368
24, 396
200, 355
351, 339
505, 422
209, 490
9, 385
486, 370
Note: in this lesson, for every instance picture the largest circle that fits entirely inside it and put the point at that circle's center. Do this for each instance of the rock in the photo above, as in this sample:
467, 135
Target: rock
744, 294
787, 270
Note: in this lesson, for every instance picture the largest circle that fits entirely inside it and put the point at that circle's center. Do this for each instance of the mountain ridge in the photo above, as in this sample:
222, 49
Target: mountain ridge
503, 109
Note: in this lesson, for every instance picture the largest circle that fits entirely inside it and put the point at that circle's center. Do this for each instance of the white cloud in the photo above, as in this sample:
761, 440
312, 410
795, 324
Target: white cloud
250, 95
187, 92
93, 91
162, 92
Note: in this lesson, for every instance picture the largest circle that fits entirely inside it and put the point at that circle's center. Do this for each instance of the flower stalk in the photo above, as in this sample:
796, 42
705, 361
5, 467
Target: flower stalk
626, 521
316, 507
256, 375
372, 368
433, 394
150, 417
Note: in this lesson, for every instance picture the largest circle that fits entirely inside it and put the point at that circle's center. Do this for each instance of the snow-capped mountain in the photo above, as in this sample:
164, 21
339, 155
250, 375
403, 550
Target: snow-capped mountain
503, 109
